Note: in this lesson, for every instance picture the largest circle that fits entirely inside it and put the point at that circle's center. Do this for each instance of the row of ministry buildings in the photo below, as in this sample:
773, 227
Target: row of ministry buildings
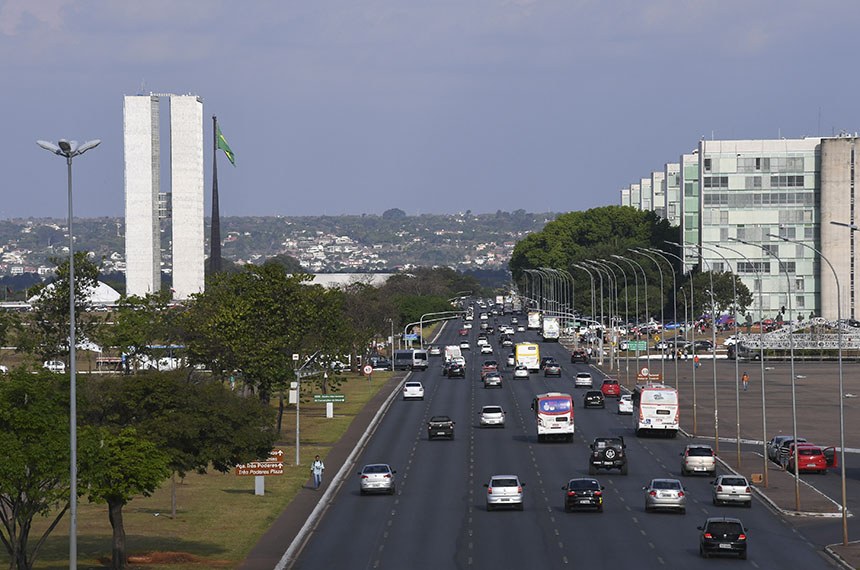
727, 192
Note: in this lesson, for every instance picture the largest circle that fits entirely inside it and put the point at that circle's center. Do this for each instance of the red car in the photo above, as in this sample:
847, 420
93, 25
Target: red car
611, 388
812, 458
464, 332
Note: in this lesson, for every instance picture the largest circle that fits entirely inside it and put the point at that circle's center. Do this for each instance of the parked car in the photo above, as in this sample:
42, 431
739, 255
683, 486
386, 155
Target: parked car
377, 478
778, 446
698, 458
723, 535
807, 458
379, 363
492, 416
440, 426
732, 489
611, 388
504, 491
594, 399
552, 368
583, 493
56, 366
625, 404
665, 494
583, 380
700, 345
413, 390
521, 371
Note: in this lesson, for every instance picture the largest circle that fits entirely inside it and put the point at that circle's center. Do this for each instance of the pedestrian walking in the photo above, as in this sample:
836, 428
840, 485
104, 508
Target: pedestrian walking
696, 361
317, 468
746, 380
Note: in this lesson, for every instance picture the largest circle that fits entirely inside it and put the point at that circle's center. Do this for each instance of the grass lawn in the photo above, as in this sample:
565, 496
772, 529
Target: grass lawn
219, 519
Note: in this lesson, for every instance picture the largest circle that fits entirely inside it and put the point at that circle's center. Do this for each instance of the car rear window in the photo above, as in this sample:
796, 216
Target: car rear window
810, 451
376, 469
733, 481
413, 384
504, 483
721, 528
700, 452
610, 382
580, 485
666, 485
492, 410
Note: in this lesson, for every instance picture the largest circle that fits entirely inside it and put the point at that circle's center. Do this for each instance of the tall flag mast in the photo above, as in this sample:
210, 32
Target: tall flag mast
219, 142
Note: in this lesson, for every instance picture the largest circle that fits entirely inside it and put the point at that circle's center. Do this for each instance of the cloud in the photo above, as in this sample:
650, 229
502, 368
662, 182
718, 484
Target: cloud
48, 12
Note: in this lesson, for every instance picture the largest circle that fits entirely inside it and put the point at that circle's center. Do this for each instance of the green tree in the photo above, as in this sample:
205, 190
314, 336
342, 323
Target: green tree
46, 332
34, 472
116, 467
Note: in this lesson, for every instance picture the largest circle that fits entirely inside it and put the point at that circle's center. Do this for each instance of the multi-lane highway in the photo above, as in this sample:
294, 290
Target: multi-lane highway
438, 519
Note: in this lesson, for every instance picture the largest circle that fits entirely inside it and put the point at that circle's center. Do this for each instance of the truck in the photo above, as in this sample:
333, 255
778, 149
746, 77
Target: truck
452, 351
551, 329
534, 320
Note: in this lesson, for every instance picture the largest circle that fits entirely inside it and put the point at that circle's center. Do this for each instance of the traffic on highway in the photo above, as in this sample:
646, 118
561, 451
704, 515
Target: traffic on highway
488, 487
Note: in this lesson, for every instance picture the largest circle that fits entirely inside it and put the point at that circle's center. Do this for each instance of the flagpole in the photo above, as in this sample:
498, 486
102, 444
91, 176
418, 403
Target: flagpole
215, 235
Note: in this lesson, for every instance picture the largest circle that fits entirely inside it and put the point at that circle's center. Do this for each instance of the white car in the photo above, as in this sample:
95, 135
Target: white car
4, 369
482, 340
435, 351
413, 391
521, 371
625, 404
512, 360
486, 349
583, 380
521, 328
57, 366
467, 325
492, 416
483, 316
504, 491
464, 345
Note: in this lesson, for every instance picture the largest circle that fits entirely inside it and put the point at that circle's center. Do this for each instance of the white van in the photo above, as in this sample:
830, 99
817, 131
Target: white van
419, 359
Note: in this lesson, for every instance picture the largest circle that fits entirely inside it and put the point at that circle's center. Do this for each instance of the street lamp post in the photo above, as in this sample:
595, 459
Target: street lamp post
299, 399
626, 316
791, 358
614, 302
693, 336
659, 254
69, 150
761, 359
662, 304
647, 313
841, 386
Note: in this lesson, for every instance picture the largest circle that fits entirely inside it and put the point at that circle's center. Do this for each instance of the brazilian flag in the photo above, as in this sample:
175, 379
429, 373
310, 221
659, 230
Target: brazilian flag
222, 144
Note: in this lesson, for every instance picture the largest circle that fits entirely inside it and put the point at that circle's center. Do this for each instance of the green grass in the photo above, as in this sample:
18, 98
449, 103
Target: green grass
218, 519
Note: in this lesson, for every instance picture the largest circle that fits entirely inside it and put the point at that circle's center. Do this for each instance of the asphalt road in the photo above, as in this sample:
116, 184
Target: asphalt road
438, 519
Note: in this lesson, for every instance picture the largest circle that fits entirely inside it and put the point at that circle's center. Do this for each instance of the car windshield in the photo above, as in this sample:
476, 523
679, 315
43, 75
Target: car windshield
723, 527
666, 485
584, 485
506, 482
733, 481
376, 469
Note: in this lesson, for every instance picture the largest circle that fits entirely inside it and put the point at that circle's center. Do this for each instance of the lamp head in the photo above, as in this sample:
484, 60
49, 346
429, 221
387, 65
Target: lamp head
49, 146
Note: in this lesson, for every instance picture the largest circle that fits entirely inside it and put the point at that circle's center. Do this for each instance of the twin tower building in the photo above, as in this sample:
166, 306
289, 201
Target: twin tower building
147, 207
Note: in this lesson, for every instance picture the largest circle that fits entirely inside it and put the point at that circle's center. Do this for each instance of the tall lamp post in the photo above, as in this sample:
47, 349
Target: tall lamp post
661, 255
626, 317
662, 317
69, 150
841, 387
692, 318
647, 313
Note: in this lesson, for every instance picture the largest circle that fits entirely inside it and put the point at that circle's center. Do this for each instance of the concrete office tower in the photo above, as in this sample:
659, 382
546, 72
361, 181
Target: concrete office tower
186, 180
142, 182
142, 185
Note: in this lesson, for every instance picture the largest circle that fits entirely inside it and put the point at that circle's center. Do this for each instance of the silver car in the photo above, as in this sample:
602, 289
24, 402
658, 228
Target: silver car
492, 416
665, 494
698, 458
504, 491
492, 380
377, 478
778, 446
521, 371
583, 380
732, 489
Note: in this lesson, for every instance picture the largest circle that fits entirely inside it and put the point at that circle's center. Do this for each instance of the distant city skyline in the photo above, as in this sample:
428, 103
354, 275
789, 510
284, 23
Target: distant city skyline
347, 108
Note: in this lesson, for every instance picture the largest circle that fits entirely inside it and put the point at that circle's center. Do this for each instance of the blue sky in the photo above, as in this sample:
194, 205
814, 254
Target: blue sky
357, 106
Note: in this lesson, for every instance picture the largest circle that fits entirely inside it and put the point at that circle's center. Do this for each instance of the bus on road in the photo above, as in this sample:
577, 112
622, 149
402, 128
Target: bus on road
528, 353
658, 410
553, 416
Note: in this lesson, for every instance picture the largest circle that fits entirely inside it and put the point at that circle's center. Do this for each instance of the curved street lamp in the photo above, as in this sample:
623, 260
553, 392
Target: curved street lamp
69, 150
693, 336
660, 254
662, 304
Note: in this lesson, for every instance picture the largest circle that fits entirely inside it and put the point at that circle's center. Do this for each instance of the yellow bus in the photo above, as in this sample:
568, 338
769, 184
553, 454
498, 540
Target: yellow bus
528, 353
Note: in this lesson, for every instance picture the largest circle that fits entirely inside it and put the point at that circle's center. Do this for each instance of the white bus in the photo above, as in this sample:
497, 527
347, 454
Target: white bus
658, 410
534, 320
554, 416
528, 354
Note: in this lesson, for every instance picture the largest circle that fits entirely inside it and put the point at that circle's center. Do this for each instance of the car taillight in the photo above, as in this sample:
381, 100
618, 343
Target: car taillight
748, 490
489, 490
388, 476
598, 493
719, 488
653, 493
680, 493
742, 536
571, 493
364, 476
708, 535
519, 489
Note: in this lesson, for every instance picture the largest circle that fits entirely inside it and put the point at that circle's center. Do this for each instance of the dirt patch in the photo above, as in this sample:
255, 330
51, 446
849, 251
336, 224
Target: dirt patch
177, 558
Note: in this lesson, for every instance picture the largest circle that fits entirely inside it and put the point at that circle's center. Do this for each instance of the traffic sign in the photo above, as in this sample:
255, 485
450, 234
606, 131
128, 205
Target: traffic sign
326, 398
410, 336
273, 465
368, 369
637, 344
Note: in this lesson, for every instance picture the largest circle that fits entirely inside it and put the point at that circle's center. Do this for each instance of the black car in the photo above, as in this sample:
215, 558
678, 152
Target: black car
544, 360
594, 399
723, 535
579, 355
440, 426
456, 371
583, 493
700, 345
608, 453
552, 368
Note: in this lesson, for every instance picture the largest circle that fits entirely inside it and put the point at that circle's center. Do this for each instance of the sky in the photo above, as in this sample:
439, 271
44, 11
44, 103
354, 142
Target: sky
431, 106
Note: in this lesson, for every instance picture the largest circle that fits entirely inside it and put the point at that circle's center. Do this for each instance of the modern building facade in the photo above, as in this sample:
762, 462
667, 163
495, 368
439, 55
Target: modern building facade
758, 191
146, 206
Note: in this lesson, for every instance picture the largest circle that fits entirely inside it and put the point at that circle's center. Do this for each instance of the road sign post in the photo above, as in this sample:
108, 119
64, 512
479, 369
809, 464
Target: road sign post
273, 465
368, 370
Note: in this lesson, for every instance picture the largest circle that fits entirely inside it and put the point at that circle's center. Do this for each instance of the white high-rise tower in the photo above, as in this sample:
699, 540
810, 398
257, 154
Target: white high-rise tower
142, 187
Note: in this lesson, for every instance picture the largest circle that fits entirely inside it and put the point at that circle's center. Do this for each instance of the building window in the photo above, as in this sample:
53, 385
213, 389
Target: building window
757, 285
672, 208
772, 249
752, 182
707, 165
798, 284
716, 182
790, 266
786, 181
800, 302
724, 217
724, 234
